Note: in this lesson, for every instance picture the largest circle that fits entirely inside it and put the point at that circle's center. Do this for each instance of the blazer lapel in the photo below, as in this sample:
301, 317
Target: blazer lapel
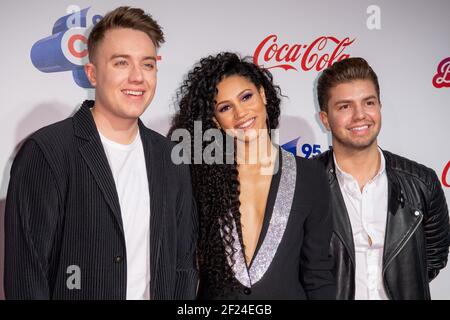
155, 163
94, 155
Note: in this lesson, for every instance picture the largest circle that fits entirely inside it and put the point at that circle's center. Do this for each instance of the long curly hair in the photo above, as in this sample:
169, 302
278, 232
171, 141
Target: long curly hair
216, 186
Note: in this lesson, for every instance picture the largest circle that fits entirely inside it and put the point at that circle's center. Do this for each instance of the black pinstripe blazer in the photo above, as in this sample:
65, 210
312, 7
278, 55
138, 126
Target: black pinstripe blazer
63, 214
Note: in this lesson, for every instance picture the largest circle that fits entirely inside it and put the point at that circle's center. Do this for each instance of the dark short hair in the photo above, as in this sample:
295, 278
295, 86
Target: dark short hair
344, 71
125, 17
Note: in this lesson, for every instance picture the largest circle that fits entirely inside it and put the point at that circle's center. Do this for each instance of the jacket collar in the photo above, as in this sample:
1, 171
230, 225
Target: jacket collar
94, 155
341, 220
402, 218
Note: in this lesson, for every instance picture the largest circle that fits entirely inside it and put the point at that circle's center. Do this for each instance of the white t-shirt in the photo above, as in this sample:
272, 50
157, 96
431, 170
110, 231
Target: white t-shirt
127, 163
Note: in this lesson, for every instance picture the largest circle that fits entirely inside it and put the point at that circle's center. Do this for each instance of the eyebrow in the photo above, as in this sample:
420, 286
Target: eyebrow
240, 93
342, 102
370, 97
349, 101
126, 56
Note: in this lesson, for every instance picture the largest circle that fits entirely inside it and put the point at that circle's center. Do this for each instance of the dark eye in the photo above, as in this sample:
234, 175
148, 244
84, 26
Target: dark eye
224, 108
247, 96
149, 66
343, 106
371, 102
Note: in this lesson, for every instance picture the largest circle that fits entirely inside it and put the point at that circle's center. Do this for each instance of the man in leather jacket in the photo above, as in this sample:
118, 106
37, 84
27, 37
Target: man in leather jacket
391, 225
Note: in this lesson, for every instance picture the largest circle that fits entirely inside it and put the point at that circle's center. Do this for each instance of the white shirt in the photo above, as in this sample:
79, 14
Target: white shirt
367, 210
127, 163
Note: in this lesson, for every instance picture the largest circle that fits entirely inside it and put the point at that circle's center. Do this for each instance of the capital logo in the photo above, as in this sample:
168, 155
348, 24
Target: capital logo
66, 48
319, 54
445, 175
442, 77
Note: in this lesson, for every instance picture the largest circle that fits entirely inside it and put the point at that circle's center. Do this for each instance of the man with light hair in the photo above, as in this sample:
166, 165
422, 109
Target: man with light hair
95, 207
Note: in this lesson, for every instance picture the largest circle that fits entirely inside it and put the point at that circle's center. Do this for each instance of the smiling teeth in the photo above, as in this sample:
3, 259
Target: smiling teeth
359, 128
134, 93
246, 124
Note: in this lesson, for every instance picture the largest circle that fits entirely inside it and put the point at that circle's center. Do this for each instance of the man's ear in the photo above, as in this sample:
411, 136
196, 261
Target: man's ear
324, 118
90, 70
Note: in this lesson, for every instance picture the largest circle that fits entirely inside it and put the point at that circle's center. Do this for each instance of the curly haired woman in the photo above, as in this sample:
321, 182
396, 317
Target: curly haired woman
265, 226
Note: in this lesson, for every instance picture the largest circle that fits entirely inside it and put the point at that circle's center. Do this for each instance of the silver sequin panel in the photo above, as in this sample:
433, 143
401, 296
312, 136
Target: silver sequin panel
275, 231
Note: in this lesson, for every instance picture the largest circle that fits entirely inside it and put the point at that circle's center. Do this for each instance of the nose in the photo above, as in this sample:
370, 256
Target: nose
135, 75
239, 111
359, 112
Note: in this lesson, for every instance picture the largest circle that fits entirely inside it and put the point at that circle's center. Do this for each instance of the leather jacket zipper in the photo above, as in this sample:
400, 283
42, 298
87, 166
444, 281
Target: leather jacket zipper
403, 244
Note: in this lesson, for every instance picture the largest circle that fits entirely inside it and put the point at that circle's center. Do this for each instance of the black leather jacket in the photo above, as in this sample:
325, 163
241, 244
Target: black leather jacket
417, 231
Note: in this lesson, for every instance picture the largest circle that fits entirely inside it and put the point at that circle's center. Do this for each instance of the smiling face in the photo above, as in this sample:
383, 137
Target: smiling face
353, 115
240, 107
123, 73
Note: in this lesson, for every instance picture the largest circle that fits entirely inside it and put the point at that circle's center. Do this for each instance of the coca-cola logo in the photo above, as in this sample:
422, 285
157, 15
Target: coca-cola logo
442, 77
446, 182
319, 54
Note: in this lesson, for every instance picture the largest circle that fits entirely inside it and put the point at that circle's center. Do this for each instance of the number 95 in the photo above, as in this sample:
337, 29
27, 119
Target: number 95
310, 150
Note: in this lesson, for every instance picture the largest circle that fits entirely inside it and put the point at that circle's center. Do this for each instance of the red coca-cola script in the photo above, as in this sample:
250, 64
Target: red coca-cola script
319, 54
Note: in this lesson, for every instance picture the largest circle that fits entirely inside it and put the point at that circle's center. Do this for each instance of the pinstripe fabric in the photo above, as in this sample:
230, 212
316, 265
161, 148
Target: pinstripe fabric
62, 209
